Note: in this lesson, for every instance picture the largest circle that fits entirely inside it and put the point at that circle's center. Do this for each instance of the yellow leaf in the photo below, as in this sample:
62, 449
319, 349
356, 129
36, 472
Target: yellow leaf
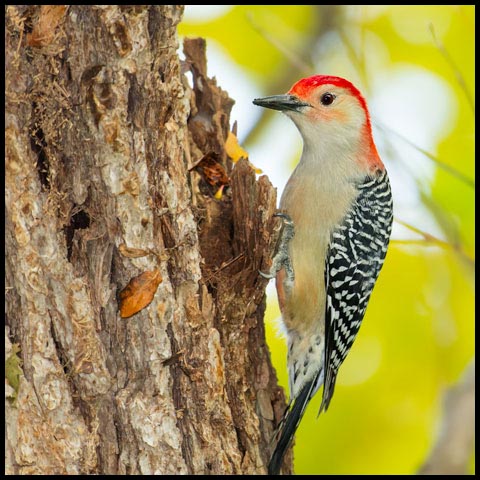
219, 193
236, 152
233, 149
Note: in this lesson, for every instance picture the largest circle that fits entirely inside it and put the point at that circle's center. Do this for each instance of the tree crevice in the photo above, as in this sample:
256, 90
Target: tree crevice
39, 145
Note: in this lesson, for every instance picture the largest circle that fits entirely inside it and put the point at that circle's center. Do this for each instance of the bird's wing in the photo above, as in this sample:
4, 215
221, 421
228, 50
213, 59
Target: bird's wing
355, 256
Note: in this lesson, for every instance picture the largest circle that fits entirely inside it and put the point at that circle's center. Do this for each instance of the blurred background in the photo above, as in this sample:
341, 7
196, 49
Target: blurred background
415, 67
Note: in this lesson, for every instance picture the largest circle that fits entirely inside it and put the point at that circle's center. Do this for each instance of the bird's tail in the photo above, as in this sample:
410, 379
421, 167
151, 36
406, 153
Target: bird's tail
289, 423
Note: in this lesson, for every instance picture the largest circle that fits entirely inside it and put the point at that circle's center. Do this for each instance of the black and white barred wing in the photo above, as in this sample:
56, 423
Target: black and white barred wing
354, 259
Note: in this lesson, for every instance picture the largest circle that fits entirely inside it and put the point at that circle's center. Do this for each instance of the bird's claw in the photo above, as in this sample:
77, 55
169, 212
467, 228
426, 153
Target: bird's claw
282, 257
268, 275
287, 220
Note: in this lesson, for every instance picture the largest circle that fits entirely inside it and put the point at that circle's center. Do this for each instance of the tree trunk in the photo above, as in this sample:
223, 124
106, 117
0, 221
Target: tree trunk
110, 172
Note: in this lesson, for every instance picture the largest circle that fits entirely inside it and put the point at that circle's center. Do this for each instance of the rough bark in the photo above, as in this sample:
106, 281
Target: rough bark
102, 137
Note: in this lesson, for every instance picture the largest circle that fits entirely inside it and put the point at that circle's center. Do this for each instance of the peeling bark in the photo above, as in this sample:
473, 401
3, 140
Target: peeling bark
102, 131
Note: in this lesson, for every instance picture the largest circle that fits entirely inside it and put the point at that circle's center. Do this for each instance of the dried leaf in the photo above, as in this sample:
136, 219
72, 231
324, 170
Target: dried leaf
131, 252
139, 292
213, 170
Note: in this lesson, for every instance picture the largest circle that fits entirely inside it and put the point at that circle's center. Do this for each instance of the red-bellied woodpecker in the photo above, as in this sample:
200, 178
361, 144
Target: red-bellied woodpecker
337, 214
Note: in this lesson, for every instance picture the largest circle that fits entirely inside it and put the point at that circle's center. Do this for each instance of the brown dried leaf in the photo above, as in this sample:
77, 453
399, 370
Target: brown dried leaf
131, 252
139, 292
213, 170
43, 32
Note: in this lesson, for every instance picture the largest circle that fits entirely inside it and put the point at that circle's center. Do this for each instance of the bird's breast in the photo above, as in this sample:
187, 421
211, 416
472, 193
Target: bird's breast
316, 209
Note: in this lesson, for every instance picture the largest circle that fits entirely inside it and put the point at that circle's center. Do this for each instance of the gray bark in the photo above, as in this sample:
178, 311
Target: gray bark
102, 137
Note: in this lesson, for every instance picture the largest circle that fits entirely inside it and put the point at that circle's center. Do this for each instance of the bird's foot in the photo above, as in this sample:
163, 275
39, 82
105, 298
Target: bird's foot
282, 257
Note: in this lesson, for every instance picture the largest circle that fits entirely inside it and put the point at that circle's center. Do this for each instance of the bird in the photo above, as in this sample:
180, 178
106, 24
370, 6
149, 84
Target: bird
337, 214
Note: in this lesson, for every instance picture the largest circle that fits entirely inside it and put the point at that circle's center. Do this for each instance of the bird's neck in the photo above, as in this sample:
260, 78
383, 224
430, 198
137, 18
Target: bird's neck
340, 158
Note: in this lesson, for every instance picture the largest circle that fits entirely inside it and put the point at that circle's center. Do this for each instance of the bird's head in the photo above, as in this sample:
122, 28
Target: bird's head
326, 109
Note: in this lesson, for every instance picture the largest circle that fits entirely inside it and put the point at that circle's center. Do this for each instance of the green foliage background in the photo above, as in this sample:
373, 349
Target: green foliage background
418, 334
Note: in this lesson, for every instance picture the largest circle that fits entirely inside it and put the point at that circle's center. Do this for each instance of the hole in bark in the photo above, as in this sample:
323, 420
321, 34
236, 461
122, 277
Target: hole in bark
38, 144
66, 66
107, 97
113, 269
64, 362
240, 435
79, 220
168, 114
211, 289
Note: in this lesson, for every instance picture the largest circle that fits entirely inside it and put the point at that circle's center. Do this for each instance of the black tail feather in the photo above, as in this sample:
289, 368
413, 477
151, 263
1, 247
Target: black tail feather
328, 390
289, 426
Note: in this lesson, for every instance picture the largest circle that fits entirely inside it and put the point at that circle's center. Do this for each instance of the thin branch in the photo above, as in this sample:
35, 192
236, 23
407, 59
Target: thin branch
223, 266
357, 59
420, 241
293, 57
448, 168
326, 20
428, 238
456, 70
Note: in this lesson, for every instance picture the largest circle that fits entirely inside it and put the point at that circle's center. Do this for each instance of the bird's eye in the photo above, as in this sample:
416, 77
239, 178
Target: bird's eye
327, 98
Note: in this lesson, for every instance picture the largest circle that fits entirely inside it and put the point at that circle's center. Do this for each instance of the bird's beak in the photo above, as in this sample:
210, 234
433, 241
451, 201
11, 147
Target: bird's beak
281, 102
